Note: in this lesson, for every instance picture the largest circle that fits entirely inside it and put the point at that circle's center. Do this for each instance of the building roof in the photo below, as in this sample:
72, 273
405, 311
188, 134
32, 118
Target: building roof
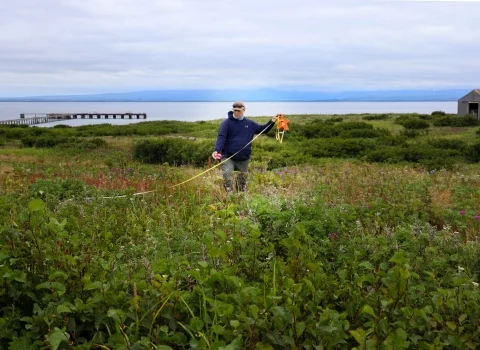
472, 96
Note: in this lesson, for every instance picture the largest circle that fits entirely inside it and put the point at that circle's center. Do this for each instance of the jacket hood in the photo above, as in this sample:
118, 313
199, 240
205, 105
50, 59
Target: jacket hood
230, 116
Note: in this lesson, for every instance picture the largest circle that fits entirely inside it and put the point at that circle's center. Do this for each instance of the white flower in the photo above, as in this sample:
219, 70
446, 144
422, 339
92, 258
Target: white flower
475, 284
460, 269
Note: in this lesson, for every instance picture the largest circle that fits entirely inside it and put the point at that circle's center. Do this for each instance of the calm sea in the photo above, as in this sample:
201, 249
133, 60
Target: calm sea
194, 111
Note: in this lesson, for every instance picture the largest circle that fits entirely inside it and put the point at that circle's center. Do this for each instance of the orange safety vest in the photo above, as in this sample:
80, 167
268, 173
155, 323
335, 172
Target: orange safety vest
283, 123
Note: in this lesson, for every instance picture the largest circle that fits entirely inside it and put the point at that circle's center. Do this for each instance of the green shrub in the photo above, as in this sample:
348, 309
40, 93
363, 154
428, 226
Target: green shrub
173, 151
363, 133
473, 152
376, 117
355, 125
456, 121
438, 113
385, 155
448, 144
59, 189
413, 123
409, 133
47, 141
336, 147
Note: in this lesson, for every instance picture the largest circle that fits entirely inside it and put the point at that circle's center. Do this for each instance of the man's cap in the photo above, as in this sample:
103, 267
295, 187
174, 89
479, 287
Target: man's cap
238, 106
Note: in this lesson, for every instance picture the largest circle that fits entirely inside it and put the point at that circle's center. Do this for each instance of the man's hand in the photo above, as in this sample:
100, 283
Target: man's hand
274, 119
216, 155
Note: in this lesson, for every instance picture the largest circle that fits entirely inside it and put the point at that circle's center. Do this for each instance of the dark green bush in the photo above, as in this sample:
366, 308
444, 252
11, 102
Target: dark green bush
59, 189
355, 125
472, 152
46, 141
336, 147
363, 133
448, 144
456, 121
385, 155
173, 151
87, 144
334, 120
410, 133
438, 113
412, 123
376, 117
392, 140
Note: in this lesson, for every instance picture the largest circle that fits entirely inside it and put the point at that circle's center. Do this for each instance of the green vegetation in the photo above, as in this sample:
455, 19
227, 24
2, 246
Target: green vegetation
358, 231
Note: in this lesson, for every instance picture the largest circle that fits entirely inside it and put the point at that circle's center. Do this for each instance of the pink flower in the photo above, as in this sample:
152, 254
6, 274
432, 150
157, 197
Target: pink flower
477, 217
462, 212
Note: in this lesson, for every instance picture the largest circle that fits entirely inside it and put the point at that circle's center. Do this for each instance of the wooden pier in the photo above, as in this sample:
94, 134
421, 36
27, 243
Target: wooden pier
40, 118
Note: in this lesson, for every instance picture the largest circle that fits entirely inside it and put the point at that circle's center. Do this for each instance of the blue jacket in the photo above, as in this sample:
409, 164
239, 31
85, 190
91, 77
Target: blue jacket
234, 134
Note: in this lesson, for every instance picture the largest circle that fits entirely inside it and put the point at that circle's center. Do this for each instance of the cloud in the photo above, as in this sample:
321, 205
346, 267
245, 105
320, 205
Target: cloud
64, 46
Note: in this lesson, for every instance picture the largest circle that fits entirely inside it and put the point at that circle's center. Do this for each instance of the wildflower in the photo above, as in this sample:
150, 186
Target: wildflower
475, 284
462, 212
460, 269
333, 236
477, 217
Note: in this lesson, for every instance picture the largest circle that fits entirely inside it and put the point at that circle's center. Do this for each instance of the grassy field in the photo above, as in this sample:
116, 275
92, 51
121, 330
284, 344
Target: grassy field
322, 252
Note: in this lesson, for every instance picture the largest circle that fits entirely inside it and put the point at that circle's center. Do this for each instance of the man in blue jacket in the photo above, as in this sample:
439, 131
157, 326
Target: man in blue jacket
234, 136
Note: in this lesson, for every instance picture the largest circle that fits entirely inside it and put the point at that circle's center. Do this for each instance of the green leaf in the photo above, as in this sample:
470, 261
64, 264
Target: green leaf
58, 275
22, 343
254, 311
234, 323
398, 339
343, 274
398, 258
225, 309
94, 285
63, 308
203, 264
462, 318
451, 325
163, 347
56, 337
196, 324
297, 287
222, 235
53, 286
218, 329
117, 315
20, 276
367, 309
208, 237
359, 335
36, 205
300, 328
366, 264
3, 255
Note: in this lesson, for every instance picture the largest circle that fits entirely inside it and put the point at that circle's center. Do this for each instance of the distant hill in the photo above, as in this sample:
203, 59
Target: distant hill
270, 95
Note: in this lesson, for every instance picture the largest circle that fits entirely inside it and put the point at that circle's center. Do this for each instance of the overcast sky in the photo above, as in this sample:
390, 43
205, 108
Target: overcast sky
90, 46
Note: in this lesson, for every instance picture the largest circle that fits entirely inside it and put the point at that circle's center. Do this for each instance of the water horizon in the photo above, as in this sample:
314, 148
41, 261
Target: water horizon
198, 111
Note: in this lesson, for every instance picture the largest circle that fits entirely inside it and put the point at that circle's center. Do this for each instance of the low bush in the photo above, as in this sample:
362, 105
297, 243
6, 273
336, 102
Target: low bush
173, 151
456, 122
376, 117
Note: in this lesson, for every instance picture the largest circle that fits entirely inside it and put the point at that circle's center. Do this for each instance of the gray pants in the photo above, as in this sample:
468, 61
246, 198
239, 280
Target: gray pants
241, 180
